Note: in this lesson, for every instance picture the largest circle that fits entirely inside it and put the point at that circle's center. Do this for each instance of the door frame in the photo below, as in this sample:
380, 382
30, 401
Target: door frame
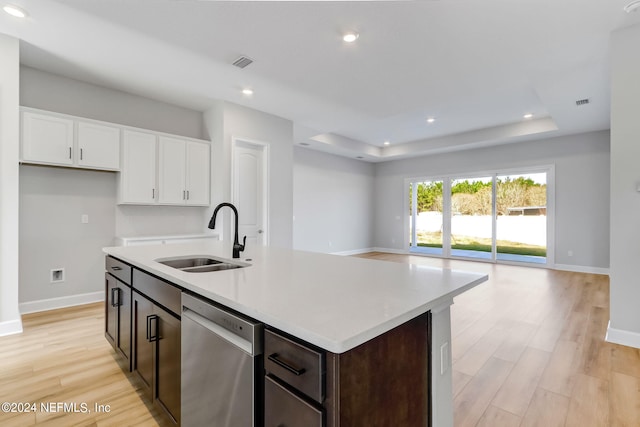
265, 147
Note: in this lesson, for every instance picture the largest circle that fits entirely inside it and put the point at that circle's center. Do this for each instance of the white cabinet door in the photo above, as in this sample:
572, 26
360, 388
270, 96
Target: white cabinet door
198, 176
138, 168
98, 146
47, 139
171, 172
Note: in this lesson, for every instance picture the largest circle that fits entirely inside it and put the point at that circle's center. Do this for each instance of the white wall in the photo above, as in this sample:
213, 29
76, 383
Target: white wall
53, 200
333, 202
581, 184
245, 123
624, 324
9, 151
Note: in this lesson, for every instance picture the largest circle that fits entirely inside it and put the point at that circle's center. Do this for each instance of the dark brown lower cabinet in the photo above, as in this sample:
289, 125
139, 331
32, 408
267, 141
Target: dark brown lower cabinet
383, 382
118, 317
157, 354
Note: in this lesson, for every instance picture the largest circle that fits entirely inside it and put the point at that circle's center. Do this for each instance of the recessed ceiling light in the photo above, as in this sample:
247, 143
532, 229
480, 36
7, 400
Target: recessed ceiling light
16, 11
632, 6
431, 120
387, 143
350, 37
528, 116
247, 92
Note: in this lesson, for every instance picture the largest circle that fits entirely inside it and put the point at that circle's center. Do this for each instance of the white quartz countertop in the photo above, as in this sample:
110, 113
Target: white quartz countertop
331, 301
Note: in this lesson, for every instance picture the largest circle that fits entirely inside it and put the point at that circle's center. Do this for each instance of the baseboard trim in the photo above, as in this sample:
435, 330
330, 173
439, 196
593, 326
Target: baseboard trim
622, 337
10, 327
390, 250
353, 252
582, 269
60, 302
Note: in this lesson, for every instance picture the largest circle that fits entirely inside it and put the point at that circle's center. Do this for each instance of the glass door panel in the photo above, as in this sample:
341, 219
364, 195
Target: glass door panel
426, 218
521, 217
472, 217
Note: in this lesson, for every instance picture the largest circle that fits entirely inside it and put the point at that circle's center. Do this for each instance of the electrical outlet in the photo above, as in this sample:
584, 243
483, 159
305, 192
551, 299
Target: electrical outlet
570, 253
84, 219
57, 275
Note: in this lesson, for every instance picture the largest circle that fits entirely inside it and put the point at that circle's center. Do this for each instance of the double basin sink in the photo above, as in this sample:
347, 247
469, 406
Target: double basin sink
201, 264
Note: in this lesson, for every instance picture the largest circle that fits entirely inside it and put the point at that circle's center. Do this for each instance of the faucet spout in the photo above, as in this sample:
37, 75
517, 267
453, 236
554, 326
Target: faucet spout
237, 247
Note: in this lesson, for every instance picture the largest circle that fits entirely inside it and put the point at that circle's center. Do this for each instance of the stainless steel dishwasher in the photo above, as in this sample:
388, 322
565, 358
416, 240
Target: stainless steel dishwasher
222, 367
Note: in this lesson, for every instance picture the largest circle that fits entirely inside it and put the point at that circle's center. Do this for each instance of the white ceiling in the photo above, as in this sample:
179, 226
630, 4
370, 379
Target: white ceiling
476, 66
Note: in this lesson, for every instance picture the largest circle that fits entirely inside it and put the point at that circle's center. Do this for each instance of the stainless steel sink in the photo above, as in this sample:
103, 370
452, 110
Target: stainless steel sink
200, 264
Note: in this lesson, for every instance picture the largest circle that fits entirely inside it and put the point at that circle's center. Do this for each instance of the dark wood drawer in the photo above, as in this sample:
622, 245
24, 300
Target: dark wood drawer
301, 367
163, 293
283, 408
118, 269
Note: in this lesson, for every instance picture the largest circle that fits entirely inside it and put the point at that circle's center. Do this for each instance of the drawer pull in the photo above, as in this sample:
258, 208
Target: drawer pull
286, 365
116, 268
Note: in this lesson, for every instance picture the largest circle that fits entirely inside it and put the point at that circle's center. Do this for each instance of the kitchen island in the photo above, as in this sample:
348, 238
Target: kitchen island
334, 303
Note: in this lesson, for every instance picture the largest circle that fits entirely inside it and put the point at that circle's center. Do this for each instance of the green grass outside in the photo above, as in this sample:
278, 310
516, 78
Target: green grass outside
434, 240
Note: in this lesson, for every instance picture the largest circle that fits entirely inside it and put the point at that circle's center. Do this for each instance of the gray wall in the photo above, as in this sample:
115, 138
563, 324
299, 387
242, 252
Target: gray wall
625, 179
333, 202
581, 184
52, 235
227, 120
52, 200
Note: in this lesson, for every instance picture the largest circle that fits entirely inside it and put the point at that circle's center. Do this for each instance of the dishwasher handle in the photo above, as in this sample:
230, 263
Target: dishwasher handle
223, 333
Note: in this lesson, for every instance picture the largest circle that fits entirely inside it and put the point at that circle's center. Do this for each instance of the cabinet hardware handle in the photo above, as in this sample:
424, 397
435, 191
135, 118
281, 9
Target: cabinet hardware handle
69, 152
153, 193
81, 154
184, 195
116, 268
152, 336
113, 297
187, 194
286, 365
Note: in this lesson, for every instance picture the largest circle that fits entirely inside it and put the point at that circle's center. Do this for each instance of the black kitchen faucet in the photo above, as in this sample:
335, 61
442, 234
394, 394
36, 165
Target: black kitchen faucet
237, 247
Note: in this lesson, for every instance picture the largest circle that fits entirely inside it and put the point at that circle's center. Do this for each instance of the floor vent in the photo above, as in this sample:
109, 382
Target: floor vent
242, 62
584, 101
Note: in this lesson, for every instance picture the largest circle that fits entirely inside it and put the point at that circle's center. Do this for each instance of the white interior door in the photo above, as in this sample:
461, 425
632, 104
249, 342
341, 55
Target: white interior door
250, 175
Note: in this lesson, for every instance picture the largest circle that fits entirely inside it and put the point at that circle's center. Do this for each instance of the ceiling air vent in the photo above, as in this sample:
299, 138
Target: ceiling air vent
242, 61
581, 102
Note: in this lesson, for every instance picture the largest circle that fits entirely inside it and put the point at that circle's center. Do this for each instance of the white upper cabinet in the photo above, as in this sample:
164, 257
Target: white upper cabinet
171, 161
98, 145
61, 140
155, 168
198, 173
183, 172
47, 139
138, 172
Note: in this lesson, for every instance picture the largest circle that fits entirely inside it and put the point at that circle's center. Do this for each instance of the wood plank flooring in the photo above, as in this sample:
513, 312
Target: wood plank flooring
528, 350
62, 358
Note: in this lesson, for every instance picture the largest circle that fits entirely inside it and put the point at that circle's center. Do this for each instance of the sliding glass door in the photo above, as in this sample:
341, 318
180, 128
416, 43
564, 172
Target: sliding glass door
471, 217
426, 217
498, 217
521, 226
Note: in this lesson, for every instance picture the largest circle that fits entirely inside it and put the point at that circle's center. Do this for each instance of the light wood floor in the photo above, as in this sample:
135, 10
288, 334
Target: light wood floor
528, 350
62, 356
